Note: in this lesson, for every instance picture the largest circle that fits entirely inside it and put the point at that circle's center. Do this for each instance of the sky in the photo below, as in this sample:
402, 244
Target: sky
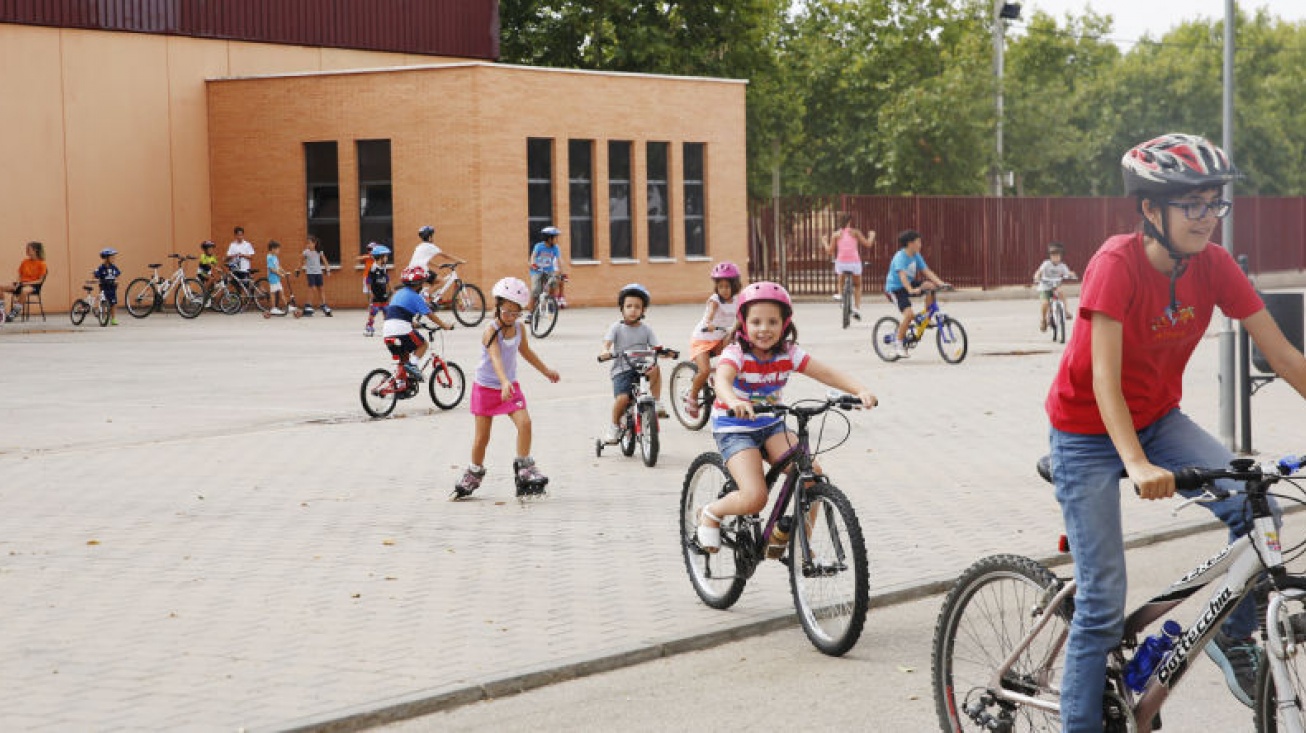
1134, 18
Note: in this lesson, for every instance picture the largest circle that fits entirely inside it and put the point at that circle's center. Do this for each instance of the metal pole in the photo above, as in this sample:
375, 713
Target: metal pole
1227, 345
1244, 382
775, 197
998, 45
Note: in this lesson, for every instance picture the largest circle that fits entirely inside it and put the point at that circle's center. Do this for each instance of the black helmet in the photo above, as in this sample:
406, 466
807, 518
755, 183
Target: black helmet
426, 232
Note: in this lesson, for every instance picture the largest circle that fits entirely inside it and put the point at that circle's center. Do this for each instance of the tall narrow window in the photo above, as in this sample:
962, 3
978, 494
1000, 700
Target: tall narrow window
619, 199
322, 186
375, 202
539, 187
580, 177
695, 202
659, 204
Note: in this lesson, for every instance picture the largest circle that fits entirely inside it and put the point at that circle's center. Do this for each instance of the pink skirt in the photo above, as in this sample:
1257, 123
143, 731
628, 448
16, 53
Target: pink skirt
488, 401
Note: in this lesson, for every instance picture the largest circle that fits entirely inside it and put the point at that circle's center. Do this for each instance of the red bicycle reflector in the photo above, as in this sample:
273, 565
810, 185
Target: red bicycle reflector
1063, 544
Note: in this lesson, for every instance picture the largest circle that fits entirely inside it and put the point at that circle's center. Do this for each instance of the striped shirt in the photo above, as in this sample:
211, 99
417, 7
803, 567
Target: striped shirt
757, 381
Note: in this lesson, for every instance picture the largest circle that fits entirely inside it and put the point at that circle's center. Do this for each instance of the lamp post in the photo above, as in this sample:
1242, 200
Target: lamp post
1002, 10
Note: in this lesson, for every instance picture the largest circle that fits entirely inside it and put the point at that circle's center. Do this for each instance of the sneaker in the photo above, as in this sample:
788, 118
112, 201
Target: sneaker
612, 434
1238, 659
369, 331
837, 296
857, 314
414, 372
308, 310
662, 409
326, 311
113, 321
691, 407
276, 312
900, 350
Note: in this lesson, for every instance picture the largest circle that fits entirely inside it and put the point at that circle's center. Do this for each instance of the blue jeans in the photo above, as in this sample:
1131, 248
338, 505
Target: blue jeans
1086, 470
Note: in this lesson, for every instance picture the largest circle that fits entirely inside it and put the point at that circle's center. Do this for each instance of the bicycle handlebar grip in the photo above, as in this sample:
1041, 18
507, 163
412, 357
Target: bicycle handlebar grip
1191, 478
605, 357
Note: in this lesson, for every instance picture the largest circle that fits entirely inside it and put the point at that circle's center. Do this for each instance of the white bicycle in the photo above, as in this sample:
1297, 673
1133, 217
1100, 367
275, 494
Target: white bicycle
465, 299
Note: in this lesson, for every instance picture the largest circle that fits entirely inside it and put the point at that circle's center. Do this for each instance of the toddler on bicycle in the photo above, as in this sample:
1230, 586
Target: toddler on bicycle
405, 306
908, 276
754, 369
1048, 278
546, 259
709, 335
107, 273
377, 282
495, 390
627, 333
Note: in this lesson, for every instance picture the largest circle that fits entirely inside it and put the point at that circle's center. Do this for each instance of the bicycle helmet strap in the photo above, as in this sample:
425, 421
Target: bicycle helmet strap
1180, 260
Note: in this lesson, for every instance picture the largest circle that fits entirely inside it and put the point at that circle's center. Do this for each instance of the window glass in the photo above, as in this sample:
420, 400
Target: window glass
695, 201
580, 177
659, 204
375, 195
619, 239
539, 187
322, 193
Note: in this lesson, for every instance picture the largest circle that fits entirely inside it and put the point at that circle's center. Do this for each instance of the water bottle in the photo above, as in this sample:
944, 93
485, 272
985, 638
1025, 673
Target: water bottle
1149, 655
779, 537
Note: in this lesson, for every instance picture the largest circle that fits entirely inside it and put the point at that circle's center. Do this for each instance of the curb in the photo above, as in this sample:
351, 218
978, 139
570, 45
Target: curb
425, 702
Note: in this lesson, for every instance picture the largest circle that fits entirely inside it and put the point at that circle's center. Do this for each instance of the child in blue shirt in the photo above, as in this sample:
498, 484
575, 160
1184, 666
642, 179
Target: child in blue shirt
546, 259
406, 305
275, 273
908, 276
107, 273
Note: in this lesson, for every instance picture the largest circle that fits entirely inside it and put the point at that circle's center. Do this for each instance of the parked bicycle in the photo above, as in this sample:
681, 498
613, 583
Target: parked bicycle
950, 335
146, 295
545, 315
465, 299
640, 423
90, 304
383, 388
1001, 634
234, 294
812, 529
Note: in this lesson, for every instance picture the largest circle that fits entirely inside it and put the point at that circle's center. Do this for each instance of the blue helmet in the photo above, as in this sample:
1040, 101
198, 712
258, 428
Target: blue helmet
108, 252
426, 232
379, 250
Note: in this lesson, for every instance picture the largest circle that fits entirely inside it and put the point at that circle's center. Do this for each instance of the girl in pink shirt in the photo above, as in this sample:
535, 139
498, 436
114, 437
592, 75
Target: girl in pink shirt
845, 247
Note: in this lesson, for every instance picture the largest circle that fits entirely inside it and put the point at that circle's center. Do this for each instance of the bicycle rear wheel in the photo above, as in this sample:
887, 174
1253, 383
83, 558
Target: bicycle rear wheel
1288, 627
225, 299
828, 571
78, 312
682, 381
985, 616
377, 393
468, 304
545, 316
141, 297
648, 434
718, 578
847, 299
882, 336
951, 337
190, 298
447, 384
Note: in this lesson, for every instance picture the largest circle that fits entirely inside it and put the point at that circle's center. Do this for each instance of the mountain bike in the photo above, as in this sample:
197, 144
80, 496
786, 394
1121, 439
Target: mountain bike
383, 388
465, 299
1001, 634
232, 293
90, 304
950, 335
146, 295
1058, 315
545, 315
640, 423
825, 550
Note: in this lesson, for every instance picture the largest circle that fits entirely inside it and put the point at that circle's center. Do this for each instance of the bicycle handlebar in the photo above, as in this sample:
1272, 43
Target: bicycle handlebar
839, 400
657, 351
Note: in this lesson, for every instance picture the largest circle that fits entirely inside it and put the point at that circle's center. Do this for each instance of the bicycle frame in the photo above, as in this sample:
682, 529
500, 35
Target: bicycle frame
450, 283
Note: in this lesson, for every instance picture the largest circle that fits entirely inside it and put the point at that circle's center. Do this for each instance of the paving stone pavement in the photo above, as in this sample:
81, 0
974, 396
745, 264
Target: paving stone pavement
200, 529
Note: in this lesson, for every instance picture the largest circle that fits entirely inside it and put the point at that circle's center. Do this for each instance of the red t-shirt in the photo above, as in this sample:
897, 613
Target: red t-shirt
1121, 283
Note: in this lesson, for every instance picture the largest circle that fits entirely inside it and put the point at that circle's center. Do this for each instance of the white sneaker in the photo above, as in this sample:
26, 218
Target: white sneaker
277, 312
900, 350
837, 296
612, 434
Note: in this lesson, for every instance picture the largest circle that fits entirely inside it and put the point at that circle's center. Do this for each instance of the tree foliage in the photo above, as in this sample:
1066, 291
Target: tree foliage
897, 96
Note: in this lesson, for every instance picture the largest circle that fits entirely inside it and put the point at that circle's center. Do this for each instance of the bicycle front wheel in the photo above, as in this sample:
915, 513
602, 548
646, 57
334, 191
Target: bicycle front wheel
718, 578
1058, 321
468, 305
190, 298
828, 570
78, 312
261, 294
989, 611
378, 393
545, 316
951, 337
682, 383
628, 438
648, 434
882, 337
102, 312
1286, 630
141, 297
226, 300
447, 384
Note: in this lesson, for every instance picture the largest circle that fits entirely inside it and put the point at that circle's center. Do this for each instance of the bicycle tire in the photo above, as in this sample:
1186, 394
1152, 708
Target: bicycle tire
141, 297
1263, 696
968, 648
101, 311
545, 317
951, 338
190, 298
628, 437
682, 381
648, 434
376, 394
1058, 321
228, 302
261, 295
830, 597
882, 336
468, 305
716, 577
847, 300
78, 312
447, 384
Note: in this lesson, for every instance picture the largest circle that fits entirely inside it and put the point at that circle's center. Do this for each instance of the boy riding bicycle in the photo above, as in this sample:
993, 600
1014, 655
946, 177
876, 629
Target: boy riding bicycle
908, 276
1048, 278
546, 259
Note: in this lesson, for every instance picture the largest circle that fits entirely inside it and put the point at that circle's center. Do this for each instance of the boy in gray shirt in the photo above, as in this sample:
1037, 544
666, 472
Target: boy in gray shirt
630, 332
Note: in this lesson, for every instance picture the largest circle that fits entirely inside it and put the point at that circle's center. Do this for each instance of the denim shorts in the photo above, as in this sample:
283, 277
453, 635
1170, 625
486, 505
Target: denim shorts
728, 444
624, 382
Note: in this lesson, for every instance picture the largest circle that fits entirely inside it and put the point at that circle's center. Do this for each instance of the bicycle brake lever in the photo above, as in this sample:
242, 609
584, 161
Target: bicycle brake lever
1206, 497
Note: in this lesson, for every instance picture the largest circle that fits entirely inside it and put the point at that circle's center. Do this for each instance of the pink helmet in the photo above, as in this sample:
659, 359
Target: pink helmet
413, 275
764, 291
725, 271
513, 289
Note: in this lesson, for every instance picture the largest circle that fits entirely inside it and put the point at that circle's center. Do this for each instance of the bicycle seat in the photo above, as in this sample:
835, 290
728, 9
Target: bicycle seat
446, 266
155, 266
175, 256
87, 288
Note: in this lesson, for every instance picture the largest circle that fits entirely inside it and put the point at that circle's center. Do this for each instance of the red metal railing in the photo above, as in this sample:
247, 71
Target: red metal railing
988, 242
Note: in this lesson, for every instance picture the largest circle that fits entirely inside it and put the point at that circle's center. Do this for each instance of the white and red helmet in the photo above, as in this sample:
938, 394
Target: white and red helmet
1175, 163
413, 275
513, 289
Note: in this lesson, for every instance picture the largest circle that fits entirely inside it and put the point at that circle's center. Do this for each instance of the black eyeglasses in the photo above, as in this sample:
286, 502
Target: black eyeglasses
1194, 210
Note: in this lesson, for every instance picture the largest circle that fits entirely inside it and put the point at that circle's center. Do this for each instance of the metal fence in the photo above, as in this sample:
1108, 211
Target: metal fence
986, 242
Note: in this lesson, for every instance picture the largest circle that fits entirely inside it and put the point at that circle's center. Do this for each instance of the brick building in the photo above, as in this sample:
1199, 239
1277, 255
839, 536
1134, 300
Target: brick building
150, 125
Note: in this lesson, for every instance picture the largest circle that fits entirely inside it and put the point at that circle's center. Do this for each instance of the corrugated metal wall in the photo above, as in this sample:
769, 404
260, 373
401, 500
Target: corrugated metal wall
989, 242
462, 28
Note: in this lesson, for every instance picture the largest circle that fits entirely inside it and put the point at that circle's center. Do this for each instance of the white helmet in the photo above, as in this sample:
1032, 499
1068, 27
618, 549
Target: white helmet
511, 288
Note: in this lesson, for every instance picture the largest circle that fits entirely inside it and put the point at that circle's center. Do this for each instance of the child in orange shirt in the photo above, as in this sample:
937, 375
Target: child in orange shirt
31, 274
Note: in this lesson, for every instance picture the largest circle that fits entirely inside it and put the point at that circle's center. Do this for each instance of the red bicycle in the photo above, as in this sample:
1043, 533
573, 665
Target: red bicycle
383, 388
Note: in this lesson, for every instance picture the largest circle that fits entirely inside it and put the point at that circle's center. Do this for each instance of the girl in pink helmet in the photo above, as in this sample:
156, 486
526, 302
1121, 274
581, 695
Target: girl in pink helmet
753, 370
709, 335
495, 390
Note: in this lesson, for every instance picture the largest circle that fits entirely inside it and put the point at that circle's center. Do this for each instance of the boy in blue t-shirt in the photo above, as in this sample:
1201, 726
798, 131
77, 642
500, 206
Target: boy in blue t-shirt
546, 259
107, 273
397, 330
275, 273
908, 276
